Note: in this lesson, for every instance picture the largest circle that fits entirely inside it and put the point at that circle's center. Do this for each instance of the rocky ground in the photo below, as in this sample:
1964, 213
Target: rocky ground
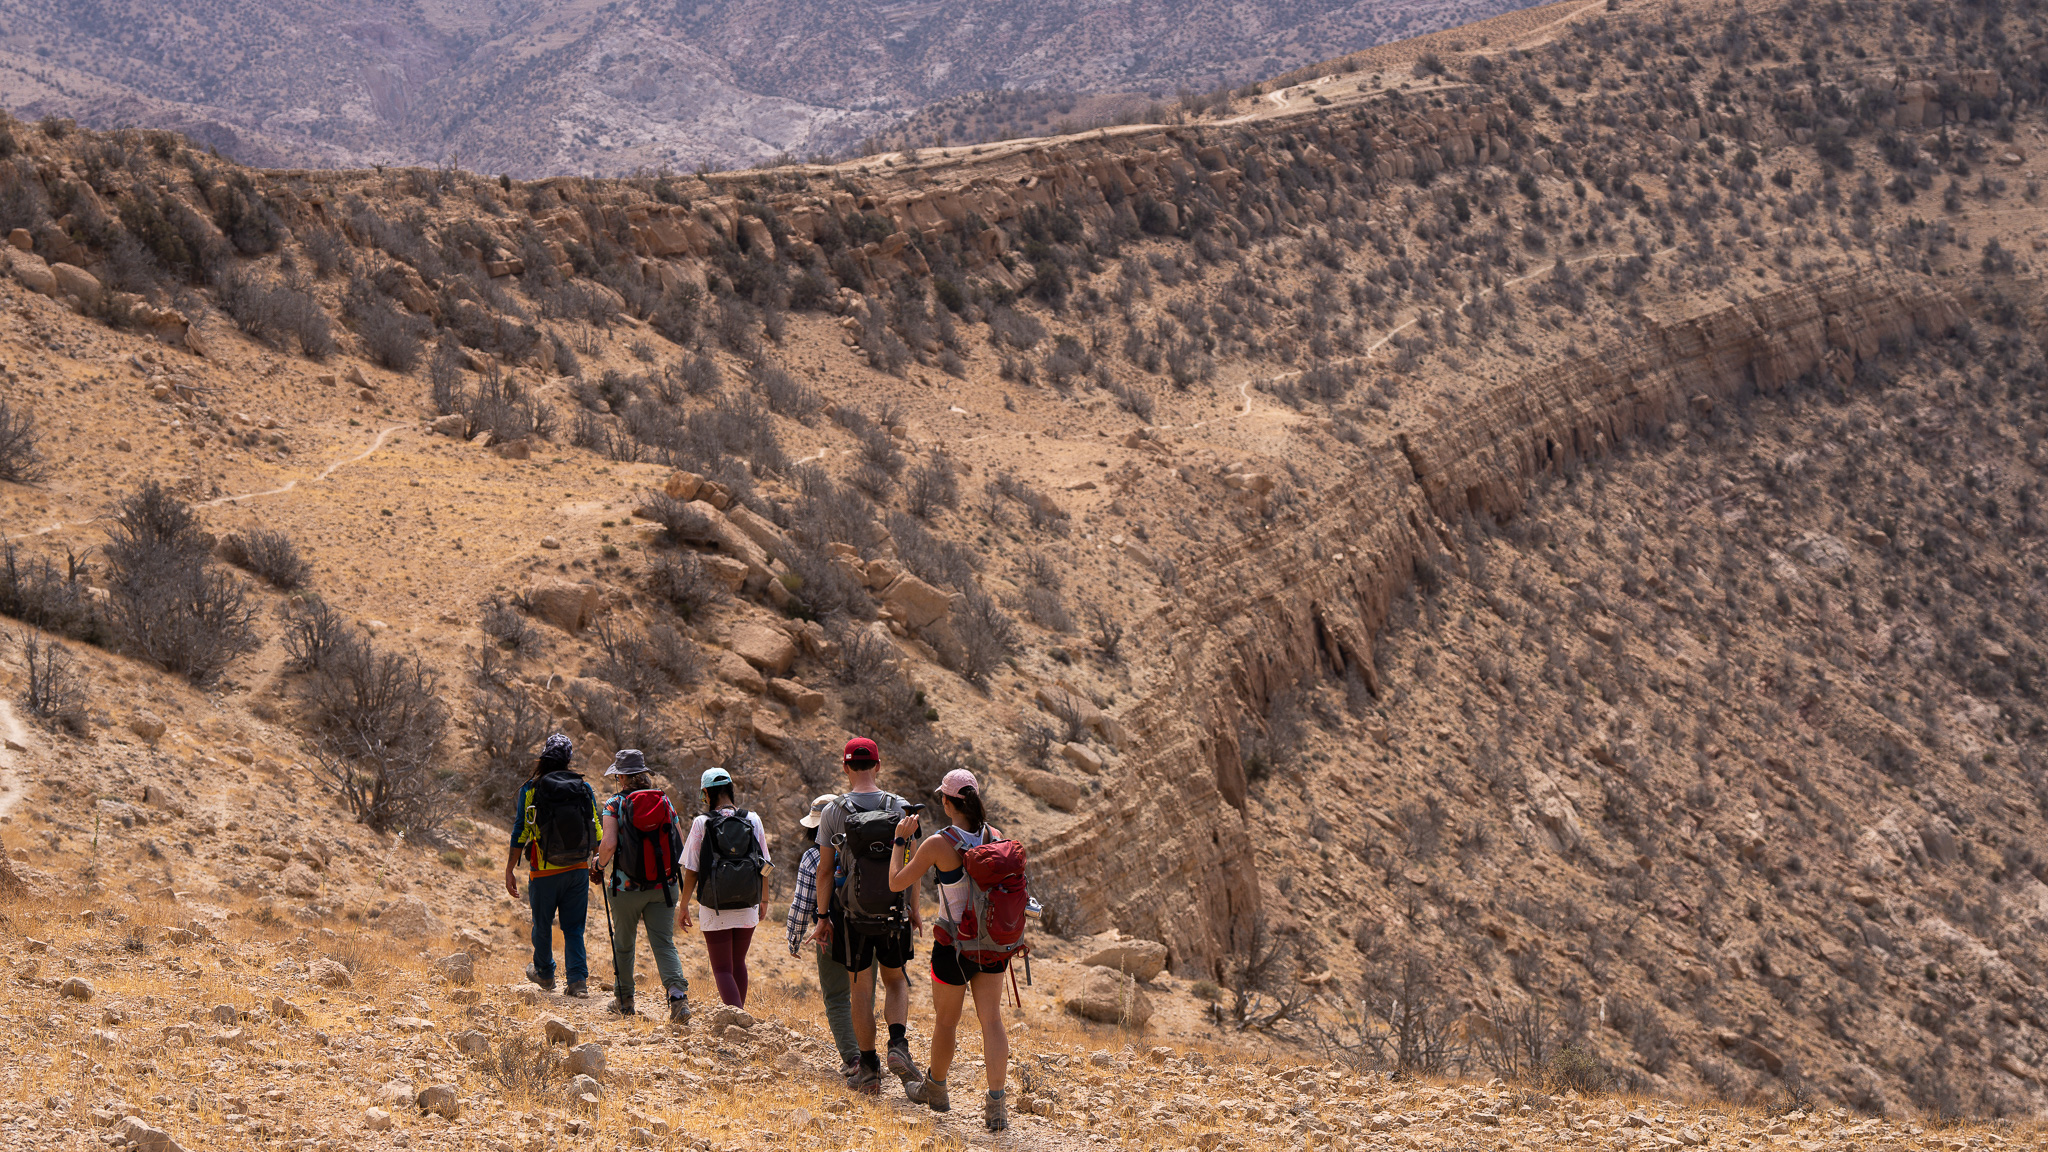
179, 1023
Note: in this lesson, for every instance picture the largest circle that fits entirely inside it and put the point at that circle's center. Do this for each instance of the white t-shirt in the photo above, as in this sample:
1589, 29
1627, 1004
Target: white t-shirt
713, 919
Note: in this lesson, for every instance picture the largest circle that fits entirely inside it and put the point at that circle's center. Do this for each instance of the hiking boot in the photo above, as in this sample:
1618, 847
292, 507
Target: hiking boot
578, 988
621, 1005
866, 1081
995, 1110
847, 1070
900, 1063
679, 1008
546, 982
930, 1093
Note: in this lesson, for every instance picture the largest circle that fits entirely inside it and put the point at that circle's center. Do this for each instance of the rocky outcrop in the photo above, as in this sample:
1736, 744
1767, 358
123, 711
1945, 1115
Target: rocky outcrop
1264, 610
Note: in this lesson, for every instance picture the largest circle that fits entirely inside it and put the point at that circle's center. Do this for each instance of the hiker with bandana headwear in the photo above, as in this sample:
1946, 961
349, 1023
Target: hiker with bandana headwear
555, 828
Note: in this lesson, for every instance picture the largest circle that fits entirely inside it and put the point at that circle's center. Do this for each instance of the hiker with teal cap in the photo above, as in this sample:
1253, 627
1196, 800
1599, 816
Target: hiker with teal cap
725, 862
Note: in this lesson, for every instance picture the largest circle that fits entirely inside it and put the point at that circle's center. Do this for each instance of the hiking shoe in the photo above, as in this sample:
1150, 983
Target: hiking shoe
621, 1006
546, 982
995, 1110
679, 1009
930, 1093
847, 1070
900, 1063
578, 988
866, 1081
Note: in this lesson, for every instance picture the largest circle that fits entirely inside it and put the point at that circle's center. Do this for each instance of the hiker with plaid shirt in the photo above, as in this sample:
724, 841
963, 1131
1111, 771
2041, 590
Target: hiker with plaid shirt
835, 983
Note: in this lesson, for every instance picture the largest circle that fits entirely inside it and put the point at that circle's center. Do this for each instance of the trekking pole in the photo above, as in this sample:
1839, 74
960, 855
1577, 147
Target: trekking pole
606, 888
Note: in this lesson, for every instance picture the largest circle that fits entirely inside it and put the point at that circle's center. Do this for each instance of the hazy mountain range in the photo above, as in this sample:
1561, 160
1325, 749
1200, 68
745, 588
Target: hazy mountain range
579, 86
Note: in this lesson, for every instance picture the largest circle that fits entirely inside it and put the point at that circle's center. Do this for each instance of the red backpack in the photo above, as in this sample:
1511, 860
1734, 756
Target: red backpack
991, 930
647, 839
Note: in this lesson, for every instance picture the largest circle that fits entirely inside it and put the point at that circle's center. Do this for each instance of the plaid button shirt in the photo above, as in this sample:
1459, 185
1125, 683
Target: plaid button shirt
803, 907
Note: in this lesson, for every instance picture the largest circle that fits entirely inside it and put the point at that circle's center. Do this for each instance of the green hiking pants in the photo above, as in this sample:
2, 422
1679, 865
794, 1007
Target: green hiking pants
629, 911
835, 984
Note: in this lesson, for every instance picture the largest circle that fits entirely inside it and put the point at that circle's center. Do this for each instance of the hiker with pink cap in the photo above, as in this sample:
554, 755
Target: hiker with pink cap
980, 928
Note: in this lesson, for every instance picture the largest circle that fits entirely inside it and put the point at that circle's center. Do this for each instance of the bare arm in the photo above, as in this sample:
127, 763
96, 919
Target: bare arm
932, 852
511, 873
610, 843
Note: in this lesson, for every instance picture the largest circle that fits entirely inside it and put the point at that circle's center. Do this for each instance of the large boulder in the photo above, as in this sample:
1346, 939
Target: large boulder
727, 666
1107, 996
916, 603
1143, 959
411, 918
34, 274
565, 604
1057, 791
74, 281
767, 536
769, 649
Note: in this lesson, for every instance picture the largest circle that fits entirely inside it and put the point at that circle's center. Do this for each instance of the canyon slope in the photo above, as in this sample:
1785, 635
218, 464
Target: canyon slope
1514, 552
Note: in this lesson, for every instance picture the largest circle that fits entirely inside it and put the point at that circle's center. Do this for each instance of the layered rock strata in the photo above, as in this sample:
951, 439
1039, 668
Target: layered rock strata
1308, 595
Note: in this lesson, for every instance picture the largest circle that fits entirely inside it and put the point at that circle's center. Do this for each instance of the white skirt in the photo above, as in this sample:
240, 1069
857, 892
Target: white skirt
714, 920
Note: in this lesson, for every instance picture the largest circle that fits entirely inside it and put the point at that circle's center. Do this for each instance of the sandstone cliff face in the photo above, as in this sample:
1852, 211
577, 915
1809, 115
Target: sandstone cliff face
1309, 595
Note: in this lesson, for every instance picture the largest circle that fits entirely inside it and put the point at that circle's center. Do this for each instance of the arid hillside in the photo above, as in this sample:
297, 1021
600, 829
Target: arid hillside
1514, 553
546, 89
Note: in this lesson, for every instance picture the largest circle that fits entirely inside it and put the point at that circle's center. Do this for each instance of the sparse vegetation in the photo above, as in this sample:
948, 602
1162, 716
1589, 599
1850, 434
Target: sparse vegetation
170, 606
268, 554
20, 460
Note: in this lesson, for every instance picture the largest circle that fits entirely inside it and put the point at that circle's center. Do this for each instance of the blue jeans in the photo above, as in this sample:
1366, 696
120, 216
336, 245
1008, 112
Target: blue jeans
566, 894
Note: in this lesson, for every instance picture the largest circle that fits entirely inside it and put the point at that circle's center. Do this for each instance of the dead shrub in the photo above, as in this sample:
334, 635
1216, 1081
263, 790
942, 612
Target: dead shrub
270, 555
313, 632
380, 724
21, 461
54, 694
171, 607
681, 581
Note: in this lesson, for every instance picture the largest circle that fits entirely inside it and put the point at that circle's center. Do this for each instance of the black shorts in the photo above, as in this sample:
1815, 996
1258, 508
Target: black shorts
860, 950
949, 968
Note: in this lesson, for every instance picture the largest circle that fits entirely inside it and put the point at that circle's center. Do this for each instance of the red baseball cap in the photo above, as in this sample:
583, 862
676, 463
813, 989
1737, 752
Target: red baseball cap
862, 748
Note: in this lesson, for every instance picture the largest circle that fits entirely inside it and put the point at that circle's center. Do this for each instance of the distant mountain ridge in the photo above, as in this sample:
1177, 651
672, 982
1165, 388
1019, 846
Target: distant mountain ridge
537, 89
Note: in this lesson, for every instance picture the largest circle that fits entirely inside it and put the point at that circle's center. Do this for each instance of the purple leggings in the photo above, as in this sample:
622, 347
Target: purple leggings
728, 949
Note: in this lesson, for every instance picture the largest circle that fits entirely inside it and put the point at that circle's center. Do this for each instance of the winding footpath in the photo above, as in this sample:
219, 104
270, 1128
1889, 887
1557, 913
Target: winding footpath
383, 437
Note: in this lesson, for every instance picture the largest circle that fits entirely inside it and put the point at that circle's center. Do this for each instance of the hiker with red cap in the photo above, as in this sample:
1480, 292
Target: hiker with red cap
982, 905
869, 925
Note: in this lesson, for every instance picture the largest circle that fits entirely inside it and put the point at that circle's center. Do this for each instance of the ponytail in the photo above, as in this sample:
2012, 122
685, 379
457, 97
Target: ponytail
968, 802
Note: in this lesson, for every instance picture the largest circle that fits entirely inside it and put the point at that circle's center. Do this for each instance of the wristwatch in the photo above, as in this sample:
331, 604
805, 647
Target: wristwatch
902, 842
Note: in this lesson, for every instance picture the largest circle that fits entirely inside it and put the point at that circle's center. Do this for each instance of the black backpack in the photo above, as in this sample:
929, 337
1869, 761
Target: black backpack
870, 841
648, 850
563, 807
729, 863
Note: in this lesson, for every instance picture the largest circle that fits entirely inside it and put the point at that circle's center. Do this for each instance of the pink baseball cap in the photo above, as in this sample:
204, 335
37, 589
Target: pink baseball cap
957, 781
